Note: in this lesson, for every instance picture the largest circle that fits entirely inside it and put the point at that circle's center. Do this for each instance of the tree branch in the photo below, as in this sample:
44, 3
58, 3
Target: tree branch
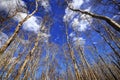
9, 41
111, 22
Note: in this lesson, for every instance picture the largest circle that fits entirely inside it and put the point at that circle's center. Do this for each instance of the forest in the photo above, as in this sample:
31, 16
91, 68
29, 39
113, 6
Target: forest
59, 39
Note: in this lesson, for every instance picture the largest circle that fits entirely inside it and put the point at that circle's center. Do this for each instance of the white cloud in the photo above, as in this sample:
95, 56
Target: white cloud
78, 41
75, 22
45, 4
79, 23
82, 25
11, 5
72, 34
77, 3
32, 24
68, 15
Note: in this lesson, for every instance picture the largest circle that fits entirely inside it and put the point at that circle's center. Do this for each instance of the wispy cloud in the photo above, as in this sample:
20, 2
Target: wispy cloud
45, 4
78, 41
32, 24
77, 3
68, 15
11, 5
79, 23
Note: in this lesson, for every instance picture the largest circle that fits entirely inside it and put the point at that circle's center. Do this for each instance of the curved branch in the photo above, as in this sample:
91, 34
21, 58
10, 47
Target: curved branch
111, 22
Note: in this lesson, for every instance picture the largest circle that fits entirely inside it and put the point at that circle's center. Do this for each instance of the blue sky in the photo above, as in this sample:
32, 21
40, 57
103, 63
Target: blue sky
59, 13
80, 30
